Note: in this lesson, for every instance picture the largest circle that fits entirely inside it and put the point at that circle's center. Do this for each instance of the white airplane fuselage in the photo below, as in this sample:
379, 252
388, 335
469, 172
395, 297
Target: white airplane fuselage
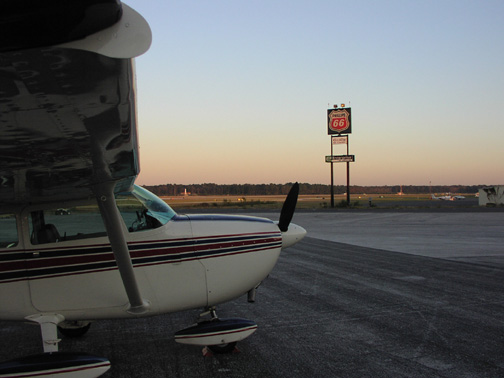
189, 262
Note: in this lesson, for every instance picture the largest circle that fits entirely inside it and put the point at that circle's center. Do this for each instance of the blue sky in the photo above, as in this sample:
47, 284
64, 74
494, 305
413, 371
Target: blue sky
237, 91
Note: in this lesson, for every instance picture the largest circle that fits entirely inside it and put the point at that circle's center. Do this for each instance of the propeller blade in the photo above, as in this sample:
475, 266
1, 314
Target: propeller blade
288, 208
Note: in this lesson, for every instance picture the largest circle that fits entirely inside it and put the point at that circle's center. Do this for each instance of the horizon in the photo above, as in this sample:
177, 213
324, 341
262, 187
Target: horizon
307, 183
223, 100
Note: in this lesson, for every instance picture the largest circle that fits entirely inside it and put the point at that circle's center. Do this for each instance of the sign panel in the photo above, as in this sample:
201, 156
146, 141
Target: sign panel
339, 158
340, 139
339, 121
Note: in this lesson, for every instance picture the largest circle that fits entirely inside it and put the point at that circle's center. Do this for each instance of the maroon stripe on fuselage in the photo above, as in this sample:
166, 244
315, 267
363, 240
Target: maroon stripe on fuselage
96, 258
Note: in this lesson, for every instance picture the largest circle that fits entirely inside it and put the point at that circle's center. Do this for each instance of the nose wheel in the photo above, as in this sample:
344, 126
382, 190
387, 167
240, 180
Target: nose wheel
223, 348
73, 328
217, 335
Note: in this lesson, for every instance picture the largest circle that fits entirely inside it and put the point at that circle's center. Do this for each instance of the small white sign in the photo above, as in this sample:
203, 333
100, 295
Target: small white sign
340, 140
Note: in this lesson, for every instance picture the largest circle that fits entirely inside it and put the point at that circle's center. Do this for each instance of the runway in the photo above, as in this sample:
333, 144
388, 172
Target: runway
338, 309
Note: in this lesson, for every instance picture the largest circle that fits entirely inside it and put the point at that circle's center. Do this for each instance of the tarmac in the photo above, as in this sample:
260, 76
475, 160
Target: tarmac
365, 294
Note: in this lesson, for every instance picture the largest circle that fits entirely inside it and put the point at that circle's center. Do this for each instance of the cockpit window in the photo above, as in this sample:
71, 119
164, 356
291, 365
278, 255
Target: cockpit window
8, 231
142, 210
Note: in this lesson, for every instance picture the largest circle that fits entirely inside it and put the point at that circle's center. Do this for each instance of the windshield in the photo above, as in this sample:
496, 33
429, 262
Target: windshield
142, 210
156, 207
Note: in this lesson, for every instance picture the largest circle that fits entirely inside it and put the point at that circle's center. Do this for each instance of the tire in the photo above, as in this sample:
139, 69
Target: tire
74, 329
223, 348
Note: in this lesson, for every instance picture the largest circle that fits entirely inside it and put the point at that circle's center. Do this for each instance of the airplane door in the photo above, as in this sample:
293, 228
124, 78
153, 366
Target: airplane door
69, 261
14, 288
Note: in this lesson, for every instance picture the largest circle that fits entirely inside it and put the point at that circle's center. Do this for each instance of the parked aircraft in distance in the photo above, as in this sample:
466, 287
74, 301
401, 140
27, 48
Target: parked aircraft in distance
447, 198
79, 241
454, 198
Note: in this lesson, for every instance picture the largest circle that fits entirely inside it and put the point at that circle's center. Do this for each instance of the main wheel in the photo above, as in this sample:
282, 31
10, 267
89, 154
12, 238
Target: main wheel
222, 348
73, 328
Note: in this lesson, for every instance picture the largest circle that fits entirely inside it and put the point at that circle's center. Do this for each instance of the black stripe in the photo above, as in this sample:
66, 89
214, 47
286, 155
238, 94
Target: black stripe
165, 258
48, 361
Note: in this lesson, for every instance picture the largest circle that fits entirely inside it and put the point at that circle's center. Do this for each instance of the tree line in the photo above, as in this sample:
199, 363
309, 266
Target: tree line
211, 189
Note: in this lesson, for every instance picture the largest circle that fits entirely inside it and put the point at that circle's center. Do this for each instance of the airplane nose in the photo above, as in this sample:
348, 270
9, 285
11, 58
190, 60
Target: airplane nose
294, 234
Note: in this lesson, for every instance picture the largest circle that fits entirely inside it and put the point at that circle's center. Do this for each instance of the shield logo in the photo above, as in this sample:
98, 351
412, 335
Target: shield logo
339, 121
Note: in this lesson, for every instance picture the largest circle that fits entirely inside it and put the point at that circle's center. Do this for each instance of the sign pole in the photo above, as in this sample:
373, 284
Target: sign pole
348, 174
339, 122
332, 178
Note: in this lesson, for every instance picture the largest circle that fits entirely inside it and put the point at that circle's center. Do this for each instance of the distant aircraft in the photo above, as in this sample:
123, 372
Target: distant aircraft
455, 198
78, 240
442, 198
447, 198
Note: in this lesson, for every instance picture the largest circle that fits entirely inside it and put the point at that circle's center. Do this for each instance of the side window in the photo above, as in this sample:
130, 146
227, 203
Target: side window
63, 224
8, 231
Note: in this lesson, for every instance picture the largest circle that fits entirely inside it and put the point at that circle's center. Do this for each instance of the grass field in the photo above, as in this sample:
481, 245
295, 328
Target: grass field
315, 201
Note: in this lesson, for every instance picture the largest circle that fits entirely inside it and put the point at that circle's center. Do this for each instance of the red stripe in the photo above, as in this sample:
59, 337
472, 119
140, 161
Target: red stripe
198, 248
161, 251
12, 265
57, 262
54, 262
221, 254
209, 237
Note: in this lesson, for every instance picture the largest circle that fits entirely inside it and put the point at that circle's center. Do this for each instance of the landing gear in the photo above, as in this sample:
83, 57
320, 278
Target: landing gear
48, 324
73, 328
251, 294
223, 348
208, 311
219, 335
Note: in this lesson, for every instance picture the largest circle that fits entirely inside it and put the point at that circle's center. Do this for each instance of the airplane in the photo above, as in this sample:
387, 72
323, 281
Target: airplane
447, 198
79, 241
441, 198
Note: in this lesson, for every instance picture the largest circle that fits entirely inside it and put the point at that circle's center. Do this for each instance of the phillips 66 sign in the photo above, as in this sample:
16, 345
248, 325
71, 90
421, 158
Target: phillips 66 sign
339, 121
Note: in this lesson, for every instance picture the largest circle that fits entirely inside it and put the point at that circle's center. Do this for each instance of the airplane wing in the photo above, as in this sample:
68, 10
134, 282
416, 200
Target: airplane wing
67, 108
67, 98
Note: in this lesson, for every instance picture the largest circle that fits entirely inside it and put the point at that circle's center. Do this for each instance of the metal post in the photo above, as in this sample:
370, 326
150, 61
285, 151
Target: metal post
348, 183
332, 176
348, 172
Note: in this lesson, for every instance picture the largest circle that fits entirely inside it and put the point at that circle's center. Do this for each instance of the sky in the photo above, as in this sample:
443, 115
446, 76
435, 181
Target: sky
238, 91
